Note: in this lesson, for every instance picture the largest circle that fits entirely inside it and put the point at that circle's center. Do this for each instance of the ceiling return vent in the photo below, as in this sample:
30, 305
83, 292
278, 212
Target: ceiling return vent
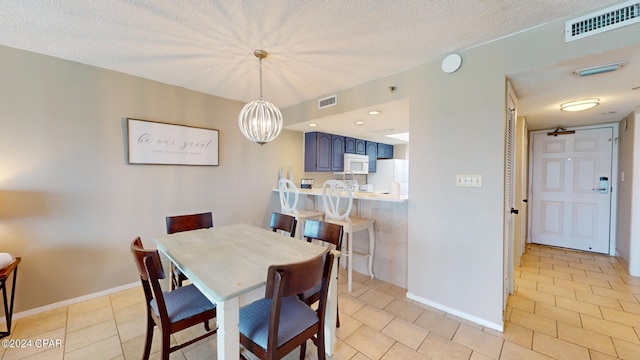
603, 20
328, 101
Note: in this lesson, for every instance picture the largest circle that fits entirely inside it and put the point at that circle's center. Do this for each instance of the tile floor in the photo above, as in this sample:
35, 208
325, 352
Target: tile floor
567, 305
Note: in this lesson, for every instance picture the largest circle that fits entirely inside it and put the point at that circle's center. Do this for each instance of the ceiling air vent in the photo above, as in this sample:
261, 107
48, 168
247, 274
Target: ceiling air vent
603, 20
328, 101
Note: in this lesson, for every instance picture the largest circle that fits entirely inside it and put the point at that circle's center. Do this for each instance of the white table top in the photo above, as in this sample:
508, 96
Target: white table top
231, 260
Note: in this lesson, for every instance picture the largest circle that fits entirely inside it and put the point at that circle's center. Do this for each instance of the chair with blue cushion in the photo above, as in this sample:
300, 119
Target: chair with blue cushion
181, 223
330, 234
272, 327
289, 195
170, 311
283, 222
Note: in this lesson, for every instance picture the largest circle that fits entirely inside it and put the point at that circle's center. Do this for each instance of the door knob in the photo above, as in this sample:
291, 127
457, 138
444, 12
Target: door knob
514, 211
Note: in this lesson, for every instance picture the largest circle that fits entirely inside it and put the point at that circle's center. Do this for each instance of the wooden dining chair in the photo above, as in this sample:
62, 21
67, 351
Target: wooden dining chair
289, 194
181, 223
272, 327
171, 311
286, 223
330, 234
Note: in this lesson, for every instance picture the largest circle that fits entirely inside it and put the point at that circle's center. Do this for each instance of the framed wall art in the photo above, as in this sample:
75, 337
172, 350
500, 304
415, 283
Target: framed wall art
153, 142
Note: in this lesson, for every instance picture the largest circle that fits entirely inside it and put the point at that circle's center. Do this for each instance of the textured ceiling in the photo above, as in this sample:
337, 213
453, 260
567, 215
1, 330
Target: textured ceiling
316, 47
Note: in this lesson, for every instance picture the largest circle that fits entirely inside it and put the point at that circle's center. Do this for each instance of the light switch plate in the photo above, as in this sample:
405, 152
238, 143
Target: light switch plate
469, 180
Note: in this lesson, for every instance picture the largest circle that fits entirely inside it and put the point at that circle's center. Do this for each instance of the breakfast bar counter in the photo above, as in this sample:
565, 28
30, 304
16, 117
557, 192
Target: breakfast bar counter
391, 230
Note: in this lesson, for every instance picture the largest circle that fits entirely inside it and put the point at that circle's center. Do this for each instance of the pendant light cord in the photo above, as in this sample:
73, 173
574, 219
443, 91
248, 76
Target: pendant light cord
260, 78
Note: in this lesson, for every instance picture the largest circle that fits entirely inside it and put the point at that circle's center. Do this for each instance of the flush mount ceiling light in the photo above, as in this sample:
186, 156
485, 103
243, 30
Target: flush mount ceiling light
313, 125
579, 105
260, 121
600, 69
359, 122
375, 112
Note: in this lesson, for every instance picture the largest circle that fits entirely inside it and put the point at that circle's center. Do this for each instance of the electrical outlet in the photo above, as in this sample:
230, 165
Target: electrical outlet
463, 180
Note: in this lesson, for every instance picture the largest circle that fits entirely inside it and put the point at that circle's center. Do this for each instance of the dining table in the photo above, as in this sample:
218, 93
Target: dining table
229, 265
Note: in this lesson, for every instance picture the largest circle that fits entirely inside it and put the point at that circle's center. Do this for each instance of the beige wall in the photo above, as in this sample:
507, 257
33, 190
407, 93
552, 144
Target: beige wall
69, 202
457, 122
628, 230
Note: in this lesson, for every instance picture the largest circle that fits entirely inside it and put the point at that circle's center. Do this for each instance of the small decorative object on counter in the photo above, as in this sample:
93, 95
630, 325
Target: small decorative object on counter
306, 183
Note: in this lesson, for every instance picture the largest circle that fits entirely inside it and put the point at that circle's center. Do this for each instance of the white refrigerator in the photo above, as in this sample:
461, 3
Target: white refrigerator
391, 176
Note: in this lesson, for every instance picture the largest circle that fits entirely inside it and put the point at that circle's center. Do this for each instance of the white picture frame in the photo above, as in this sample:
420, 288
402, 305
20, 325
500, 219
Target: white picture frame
152, 142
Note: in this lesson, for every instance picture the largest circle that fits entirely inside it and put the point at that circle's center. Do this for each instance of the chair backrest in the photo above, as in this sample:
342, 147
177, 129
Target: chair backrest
283, 222
189, 222
324, 231
288, 196
335, 193
295, 278
150, 270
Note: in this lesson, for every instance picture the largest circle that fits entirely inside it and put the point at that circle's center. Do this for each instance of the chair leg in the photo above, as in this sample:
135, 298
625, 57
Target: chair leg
320, 345
350, 260
372, 246
303, 350
148, 339
166, 346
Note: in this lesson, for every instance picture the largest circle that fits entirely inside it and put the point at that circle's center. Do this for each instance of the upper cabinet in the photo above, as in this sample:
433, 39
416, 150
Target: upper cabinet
372, 152
325, 152
354, 146
317, 151
385, 151
337, 152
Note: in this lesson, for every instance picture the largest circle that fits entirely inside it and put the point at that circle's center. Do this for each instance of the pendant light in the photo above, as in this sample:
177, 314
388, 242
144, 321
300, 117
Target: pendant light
260, 121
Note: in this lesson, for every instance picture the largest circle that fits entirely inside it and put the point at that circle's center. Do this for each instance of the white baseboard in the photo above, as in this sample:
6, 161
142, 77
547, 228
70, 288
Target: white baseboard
69, 302
475, 319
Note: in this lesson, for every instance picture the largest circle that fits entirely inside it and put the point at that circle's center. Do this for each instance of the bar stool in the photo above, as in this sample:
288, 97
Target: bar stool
289, 202
5, 273
335, 192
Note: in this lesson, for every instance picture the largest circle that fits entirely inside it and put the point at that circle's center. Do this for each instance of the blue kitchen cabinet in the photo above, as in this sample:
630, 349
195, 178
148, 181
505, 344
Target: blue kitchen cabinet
317, 151
337, 152
385, 151
349, 145
372, 152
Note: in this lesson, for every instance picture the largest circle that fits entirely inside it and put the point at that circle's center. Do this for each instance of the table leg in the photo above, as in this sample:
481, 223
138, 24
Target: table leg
228, 317
332, 311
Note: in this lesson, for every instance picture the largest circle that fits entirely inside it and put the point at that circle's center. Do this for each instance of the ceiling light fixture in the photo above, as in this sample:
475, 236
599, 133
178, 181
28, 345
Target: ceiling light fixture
313, 125
359, 122
579, 105
260, 121
375, 112
600, 69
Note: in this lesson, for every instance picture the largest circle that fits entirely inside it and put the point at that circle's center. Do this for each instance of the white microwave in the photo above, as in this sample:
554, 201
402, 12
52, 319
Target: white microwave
358, 164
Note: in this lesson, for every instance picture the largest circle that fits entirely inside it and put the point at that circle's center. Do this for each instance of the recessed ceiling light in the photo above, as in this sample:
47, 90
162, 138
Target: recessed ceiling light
375, 112
579, 105
359, 122
313, 125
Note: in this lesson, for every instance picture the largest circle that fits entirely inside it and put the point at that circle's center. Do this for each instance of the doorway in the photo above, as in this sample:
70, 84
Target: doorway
573, 173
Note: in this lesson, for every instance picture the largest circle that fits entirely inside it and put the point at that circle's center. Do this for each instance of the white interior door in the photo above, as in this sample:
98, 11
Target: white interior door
571, 200
509, 201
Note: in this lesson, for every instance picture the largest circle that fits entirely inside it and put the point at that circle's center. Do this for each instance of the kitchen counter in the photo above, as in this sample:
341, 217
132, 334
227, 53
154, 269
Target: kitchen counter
359, 195
390, 213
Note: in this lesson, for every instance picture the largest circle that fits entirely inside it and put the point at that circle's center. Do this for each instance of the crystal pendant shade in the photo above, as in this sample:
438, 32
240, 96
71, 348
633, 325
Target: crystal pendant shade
260, 121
